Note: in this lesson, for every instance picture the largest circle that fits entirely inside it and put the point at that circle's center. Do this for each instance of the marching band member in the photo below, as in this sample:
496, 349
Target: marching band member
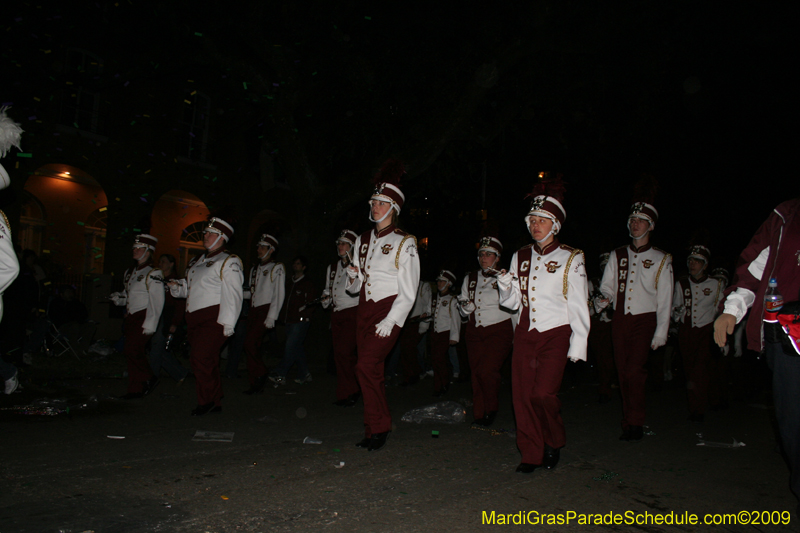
546, 283
143, 297
637, 283
213, 292
446, 330
267, 291
343, 321
489, 334
385, 276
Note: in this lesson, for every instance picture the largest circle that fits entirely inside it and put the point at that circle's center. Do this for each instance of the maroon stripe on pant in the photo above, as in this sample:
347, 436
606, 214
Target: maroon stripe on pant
252, 342
440, 344
601, 345
345, 354
206, 338
372, 353
695, 347
632, 335
537, 370
409, 339
487, 348
139, 369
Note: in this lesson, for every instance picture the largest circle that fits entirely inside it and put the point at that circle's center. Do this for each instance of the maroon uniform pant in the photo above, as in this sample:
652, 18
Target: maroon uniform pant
440, 344
345, 354
409, 340
252, 342
695, 347
603, 349
632, 335
206, 338
372, 353
139, 369
537, 370
487, 348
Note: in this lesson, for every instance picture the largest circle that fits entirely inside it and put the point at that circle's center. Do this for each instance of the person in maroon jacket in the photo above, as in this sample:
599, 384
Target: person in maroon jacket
296, 314
773, 252
171, 319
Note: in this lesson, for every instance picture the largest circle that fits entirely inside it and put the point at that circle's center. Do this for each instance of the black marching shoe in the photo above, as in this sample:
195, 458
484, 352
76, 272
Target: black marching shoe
526, 468
201, 410
257, 386
636, 433
488, 418
150, 385
377, 441
551, 456
364, 443
626, 434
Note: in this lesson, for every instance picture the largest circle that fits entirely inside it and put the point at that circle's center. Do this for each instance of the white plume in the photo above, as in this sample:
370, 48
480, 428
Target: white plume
10, 133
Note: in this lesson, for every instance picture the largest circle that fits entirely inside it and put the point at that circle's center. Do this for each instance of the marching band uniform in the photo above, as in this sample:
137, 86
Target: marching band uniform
143, 297
638, 284
694, 305
546, 283
446, 332
489, 335
267, 291
412, 334
213, 292
386, 280
343, 324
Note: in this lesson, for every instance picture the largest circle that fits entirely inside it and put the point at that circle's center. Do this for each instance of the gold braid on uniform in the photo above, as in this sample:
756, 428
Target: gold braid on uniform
272, 272
660, 267
5, 219
566, 269
224, 263
400, 248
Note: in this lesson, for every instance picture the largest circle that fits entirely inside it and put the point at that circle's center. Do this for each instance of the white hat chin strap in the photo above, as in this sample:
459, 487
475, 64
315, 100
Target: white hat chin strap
382, 218
214, 244
643, 235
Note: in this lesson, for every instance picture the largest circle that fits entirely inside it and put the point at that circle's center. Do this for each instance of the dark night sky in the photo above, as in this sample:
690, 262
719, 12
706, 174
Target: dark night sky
695, 95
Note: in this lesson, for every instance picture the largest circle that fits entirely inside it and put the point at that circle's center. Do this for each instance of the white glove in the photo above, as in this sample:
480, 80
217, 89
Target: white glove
269, 323
467, 308
657, 342
352, 272
118, 298
423, 327
384, 327
678, 313
148, 331
326, 299
600, 304
504, 281
175, 290
228, 331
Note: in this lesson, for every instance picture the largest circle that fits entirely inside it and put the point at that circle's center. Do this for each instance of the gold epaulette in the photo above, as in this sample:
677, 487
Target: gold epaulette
272, 272
400, 248
222, 268
661, 267
572, 255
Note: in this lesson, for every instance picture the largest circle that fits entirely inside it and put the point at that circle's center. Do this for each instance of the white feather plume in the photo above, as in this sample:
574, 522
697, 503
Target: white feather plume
10, 133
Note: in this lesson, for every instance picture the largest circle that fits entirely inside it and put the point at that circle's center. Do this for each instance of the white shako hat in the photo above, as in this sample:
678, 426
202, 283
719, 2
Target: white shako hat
267, 240
699, 252
645, 211
387, 184
10, 133
446, 275
347, 235
143, 240
644, 194
220, 227
490, 243
547, 195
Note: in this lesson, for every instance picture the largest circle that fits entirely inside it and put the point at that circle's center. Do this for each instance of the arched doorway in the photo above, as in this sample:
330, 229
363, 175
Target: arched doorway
177, 217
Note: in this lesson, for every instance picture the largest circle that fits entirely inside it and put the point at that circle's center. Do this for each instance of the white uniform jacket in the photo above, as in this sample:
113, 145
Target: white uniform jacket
446, 316
214, 279
9, 265
482, 291
144, 289
640, 281
422, 305
388, 265
335, 283
551, 287
268, 286
698, 300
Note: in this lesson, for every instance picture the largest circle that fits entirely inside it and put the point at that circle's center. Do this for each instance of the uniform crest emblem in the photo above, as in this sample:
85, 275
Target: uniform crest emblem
140, 278
552, 266
386, 248
209, 264
647, 263
494, 285
707, 291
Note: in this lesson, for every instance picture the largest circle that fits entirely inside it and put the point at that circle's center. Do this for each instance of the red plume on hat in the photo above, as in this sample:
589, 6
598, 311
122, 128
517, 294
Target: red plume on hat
391, 172
549, 184
644, 196
546, 198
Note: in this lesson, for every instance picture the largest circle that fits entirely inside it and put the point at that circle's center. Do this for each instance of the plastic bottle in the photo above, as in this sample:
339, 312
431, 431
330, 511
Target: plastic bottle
773, 300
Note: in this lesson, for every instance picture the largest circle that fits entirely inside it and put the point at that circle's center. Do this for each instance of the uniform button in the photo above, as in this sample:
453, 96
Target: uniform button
533, 299
369, 284
533, 288
629, 305
629, 297
368, 292
635, 256
534, 310
534, 277
534, 320
538, 258
537, 268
